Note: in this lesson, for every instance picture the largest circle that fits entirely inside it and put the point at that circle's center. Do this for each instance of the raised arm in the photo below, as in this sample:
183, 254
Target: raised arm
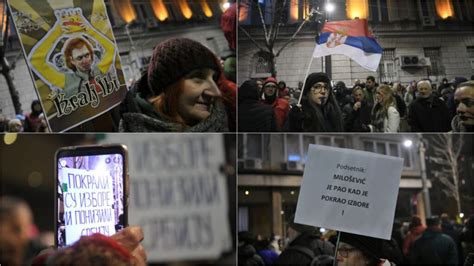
38, 58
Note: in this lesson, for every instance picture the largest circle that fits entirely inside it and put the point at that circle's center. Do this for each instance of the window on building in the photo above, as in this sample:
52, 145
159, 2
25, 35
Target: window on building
436, 69
462, 8
387, 70
262, 64
378, 10
243, 218
297, 145
424, 8
293, 148
389, 148
241, 145
255, 18
254, 147
470, 55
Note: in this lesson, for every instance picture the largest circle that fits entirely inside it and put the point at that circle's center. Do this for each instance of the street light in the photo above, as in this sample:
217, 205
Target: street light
407, 143
330, 7
424, 180
226, 5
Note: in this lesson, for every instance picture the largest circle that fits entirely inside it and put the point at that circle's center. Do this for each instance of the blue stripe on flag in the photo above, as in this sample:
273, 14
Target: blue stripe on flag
369, 45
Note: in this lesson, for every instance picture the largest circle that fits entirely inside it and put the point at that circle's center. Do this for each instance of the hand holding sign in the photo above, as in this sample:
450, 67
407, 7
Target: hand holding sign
349, 190
130, 238
71, 20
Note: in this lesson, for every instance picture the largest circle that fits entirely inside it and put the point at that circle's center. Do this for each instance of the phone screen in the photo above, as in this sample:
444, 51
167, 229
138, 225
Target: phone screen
90, 194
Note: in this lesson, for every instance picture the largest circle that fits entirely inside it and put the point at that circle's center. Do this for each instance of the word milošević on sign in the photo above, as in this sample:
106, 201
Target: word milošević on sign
349, 190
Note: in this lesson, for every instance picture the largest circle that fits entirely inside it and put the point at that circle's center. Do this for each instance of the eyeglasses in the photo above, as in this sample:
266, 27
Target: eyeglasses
319, 87
80, 57
344, 252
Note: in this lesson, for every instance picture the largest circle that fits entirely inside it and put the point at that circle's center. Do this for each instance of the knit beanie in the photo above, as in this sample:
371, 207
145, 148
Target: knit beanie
314, 78
174, 58
270, 79
248, 91
370, 246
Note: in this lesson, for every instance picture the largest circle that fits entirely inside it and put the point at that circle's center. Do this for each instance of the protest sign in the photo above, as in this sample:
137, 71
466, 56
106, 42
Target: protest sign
178, 195
72, 57
88, 203
349, 190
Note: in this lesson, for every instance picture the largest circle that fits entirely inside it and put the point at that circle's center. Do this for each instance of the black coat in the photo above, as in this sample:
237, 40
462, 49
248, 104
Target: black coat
311, 118
355, 120
254, 116
429, 115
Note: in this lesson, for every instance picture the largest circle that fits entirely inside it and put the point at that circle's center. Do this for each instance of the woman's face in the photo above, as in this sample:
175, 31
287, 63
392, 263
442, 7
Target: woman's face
319, 93
199, 94
379, 96
347, 255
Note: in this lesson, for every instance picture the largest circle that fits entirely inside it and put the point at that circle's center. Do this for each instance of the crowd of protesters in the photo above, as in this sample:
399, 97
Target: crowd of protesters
438, 241
323, 105
21, 243
33, 121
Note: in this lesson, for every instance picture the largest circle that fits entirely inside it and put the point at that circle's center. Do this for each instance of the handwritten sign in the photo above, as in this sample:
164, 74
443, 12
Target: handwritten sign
88, 203
349, 190
178, 194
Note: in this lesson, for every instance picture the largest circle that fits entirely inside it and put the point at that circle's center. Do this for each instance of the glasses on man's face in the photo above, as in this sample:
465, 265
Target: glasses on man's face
344, 252
319, 87
82, 56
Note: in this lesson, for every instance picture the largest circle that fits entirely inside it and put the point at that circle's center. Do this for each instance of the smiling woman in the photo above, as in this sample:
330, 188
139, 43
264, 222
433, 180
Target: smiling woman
180, 92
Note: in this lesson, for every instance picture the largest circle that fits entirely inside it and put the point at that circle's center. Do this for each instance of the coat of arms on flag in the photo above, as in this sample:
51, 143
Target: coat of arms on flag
351, 38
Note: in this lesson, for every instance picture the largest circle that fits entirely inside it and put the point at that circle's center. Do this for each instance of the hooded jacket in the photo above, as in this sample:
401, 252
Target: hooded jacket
317, 118
254, 116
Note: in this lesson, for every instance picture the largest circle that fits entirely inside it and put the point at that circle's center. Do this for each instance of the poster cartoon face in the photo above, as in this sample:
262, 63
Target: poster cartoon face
90, 196
72, 57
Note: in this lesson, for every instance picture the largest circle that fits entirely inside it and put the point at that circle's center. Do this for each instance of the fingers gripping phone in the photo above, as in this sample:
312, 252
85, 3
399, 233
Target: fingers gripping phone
91, 191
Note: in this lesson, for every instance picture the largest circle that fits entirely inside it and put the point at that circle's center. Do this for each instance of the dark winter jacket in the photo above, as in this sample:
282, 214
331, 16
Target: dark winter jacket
357, 121
138, 115
248, 256
254, 116
434, 247
429, 115
316, 118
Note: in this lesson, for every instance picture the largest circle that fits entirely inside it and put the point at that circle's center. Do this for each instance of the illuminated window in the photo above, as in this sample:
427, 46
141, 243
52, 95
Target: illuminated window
357, 9
444, 8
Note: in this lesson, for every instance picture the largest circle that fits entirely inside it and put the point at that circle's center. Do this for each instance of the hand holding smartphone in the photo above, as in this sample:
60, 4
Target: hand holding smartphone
91, 191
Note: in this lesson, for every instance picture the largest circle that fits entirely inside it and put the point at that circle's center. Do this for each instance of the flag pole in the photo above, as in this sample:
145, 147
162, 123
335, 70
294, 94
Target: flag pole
337, 247
307, 73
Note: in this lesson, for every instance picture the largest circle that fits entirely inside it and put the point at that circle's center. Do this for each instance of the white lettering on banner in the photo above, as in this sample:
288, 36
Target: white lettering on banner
178, 194
361, 186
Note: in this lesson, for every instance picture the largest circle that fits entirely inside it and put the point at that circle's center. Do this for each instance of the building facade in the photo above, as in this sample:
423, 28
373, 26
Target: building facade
420, 39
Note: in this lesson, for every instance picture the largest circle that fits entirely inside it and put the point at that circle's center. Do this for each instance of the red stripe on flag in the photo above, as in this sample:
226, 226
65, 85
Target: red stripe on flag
355, 27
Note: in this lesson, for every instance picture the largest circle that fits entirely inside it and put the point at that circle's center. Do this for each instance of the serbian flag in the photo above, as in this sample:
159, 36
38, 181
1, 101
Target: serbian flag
350, 38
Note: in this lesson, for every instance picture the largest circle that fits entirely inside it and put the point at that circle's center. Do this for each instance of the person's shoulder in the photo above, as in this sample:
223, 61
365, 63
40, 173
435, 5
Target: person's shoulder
281, 103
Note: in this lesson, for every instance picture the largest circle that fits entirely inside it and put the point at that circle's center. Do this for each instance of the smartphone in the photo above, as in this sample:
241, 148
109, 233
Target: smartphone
91, 191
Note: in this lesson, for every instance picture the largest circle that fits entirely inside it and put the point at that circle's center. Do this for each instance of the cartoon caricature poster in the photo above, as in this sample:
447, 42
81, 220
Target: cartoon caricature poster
72, 57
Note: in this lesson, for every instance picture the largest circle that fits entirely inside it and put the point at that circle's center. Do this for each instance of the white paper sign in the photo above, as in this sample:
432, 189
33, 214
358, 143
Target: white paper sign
178, 195
349, 190
88, 203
